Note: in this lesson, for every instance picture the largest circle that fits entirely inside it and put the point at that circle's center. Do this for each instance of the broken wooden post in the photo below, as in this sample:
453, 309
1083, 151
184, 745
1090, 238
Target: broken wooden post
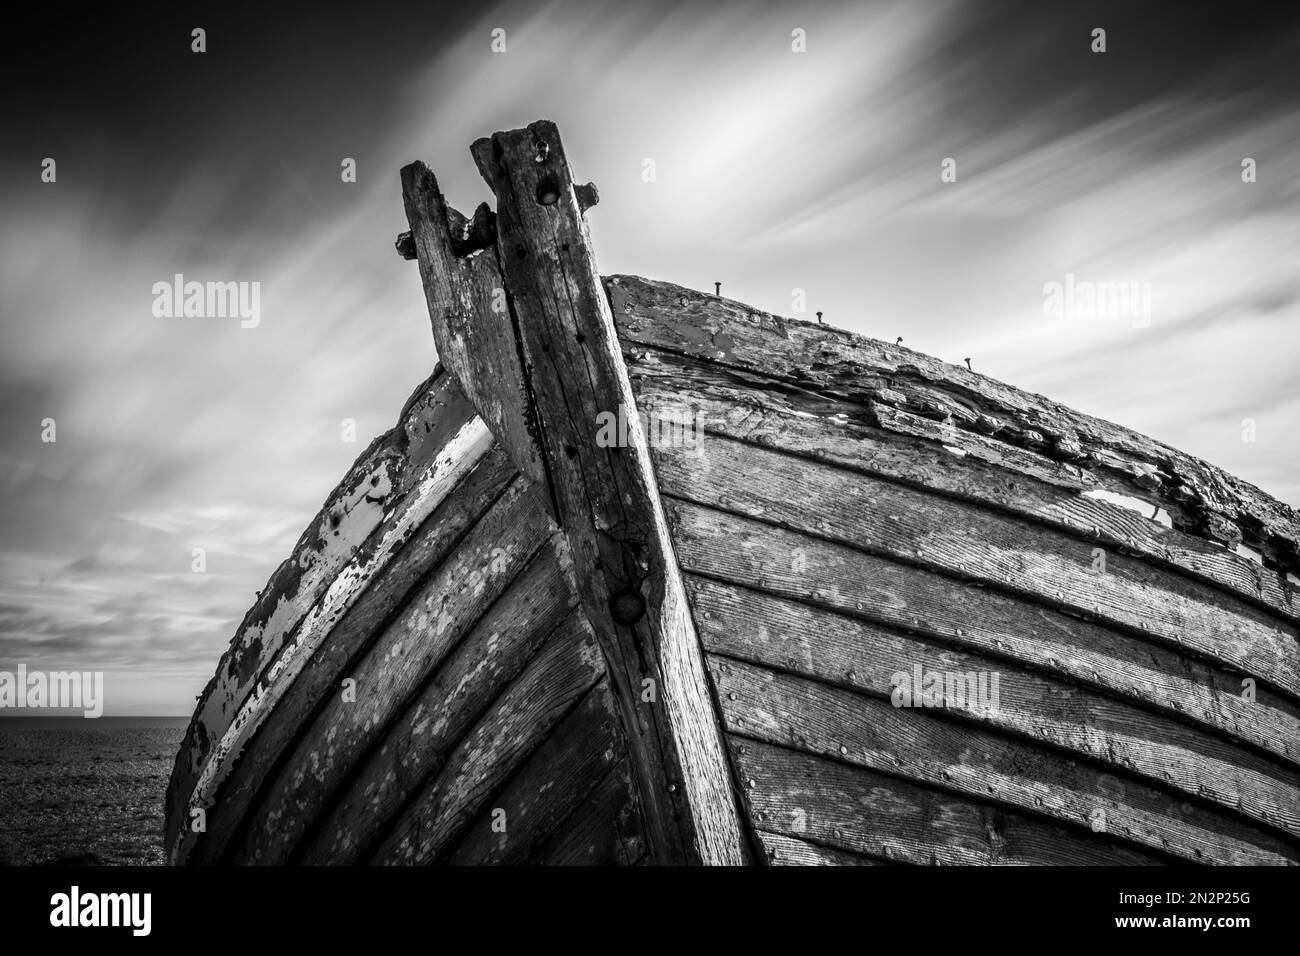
544, 375
469, 310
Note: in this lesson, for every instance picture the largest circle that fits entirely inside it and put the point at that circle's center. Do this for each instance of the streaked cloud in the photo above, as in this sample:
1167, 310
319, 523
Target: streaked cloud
774, 171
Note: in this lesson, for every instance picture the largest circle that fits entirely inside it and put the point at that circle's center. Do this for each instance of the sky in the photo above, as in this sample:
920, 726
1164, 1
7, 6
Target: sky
774, 171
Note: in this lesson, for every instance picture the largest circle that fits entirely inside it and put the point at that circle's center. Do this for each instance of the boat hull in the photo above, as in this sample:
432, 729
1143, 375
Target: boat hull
779, 594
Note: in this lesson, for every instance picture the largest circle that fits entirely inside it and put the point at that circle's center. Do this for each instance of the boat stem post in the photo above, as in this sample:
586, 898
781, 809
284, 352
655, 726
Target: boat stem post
556, 373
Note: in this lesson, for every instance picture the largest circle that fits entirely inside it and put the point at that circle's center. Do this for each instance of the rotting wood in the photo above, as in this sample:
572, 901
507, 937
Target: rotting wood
992, 474
986, 479
394, 486
604, 498
557, 779
860, 811
473, 327
536, 609
602, 831
552, 684
847, 652
924, 602
782, 850
894, 381
321, 677
979, 545
914, 744
740, 550
448, 604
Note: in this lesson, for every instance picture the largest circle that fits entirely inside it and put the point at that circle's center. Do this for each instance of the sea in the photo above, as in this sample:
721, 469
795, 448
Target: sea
75, 791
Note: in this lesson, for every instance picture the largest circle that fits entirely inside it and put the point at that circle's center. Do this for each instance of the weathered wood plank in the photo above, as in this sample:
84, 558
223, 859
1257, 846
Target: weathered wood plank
385, 498
537, 607
602, 831
743, 551
897, 383
1021, 482
322, 674
848, 808
1110, 663
395, 666
980, 545
915, 744
606, 499
555, 781
782, 850
481, 765
833, 648
473, 328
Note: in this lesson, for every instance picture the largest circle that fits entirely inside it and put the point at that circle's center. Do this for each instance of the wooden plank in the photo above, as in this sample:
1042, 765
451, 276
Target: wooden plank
901, 385
782, 850
606, 500
917, 744
537, 607
602, 831
385, 498
393, 670
481, 765
473, 327
850, 653
980, 545
1108, 662
1018, 481
859, 811
555, 781
861, 585
322, 674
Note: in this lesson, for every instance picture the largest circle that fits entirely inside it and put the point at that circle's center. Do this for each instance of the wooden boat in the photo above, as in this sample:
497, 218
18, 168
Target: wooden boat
879, 610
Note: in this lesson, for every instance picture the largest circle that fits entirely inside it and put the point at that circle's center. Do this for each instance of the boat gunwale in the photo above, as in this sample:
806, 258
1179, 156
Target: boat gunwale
1113, 456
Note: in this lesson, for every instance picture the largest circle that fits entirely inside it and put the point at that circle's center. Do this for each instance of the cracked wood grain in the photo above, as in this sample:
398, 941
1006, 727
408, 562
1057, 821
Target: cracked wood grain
448, 604
915, 394
336, 658
977, 545
473, 327
987, 473
923, 746
841, 579
536, 609
860, 811
378, 507
606, 501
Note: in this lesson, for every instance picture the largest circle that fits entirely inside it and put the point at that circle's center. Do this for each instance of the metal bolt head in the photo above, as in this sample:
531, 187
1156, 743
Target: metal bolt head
627, 607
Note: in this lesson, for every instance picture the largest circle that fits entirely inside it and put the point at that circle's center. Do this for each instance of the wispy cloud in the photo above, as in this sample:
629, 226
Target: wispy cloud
774, 171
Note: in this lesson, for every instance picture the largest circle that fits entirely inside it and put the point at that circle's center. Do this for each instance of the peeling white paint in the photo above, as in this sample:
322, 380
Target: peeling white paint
1147, 509
460, 454
1250, 553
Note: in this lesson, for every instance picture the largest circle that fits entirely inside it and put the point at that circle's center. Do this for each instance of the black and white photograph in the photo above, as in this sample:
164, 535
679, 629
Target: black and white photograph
652, 434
